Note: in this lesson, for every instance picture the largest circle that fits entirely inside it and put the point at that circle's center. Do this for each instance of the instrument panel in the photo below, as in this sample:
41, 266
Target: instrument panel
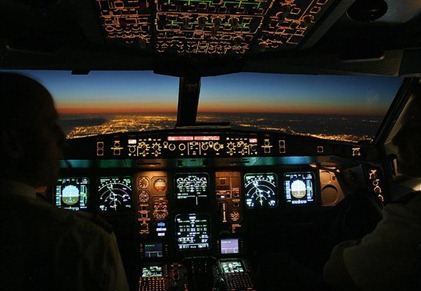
185, 215
158, 199
183, 218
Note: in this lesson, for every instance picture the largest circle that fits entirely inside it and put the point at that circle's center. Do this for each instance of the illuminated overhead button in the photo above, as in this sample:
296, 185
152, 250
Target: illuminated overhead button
182, 147
234, 23
117, 148
205, 146
201, 21
185, 19
100, 148
307, 20
356, 152
172, 147
217, 146
216, 22
237, 40
267, 146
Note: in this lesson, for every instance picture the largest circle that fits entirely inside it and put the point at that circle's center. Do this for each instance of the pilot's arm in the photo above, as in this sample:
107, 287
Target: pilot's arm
94, 255
383, 259
335, 272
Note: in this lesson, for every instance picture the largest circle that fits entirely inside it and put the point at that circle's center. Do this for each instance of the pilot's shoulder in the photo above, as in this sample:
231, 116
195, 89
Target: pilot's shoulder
95, 219
72, 219
87, 220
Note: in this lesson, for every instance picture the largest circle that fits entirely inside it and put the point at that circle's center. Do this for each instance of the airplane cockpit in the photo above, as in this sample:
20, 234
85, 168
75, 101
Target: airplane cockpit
212, 133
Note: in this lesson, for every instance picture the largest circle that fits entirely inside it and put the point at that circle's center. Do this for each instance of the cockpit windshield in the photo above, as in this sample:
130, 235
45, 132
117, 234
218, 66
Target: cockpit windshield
344, 108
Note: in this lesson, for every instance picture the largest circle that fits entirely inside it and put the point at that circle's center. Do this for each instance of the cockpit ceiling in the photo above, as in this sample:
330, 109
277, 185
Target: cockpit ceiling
211, 27
213, 37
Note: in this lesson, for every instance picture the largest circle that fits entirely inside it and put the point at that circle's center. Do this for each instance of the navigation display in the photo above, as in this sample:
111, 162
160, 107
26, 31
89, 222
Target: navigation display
192, 231
72, 193
299, 188
261, 190
192, 188
115, 193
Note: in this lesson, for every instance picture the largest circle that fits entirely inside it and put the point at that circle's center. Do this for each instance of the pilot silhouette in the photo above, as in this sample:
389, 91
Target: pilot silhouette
42, 247
384, 259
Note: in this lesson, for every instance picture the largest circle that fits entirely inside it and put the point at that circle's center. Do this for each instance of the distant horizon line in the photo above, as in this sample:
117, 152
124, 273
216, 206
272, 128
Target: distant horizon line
215, 112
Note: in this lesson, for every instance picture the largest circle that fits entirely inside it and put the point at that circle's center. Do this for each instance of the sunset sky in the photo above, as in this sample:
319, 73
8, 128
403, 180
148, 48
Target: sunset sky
143, 91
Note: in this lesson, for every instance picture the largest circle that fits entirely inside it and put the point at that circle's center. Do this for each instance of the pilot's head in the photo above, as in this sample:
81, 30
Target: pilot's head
408, 141
30, 138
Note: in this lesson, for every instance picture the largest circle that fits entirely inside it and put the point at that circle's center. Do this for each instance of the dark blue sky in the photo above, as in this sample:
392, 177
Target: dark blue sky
243, 92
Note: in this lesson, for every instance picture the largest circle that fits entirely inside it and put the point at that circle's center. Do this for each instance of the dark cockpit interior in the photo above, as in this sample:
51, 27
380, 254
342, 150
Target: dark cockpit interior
199, 38
197, 201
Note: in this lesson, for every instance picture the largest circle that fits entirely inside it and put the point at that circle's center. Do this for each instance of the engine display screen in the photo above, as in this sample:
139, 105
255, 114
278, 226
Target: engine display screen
192, 231
115, 193
229, 246
72, 193
299, 188
261, 190
152, 271
191, 188
232, 266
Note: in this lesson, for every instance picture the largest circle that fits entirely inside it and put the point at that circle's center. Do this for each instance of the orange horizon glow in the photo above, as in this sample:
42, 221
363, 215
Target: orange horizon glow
89, 110
143, 92
117, 110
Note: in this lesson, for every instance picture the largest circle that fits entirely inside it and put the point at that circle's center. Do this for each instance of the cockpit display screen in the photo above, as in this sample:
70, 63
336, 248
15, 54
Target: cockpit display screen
299, 188
115, 193
229, 246
232, 266
153, 250
152, 271
191, 188
261, 190
72, 193
192, 231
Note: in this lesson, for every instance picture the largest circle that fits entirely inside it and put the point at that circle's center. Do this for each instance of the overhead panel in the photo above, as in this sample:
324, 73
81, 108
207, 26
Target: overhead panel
209, 27
126, 22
